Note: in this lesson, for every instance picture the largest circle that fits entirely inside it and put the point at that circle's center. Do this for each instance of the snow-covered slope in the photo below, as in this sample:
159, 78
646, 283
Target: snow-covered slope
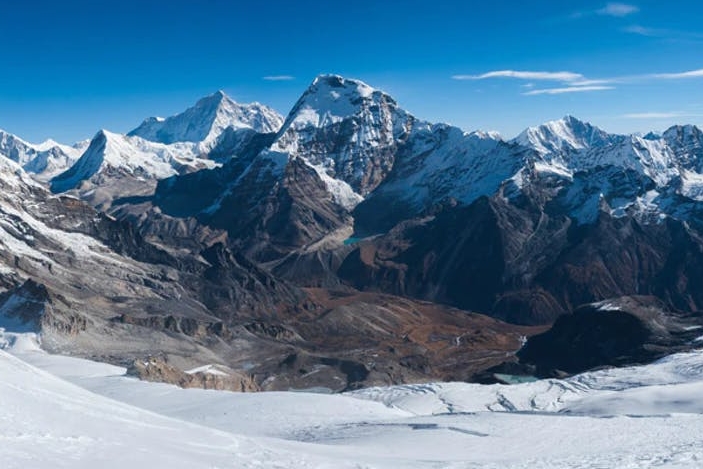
460, 165
347, 131
366, 149
686, 143
381, 163
43, 160
211, 132
337, 144
111, 157
438, 163
554, 395
205, 122
39, 234
571, 163
48, 422
568, 146
565, 135
110, 151
65, 412
581, 165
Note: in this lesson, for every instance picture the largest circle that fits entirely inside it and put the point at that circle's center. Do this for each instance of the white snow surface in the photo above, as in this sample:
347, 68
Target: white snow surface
566, 134
205, 122
330, 99
452, 163
163, 147
568, 148
65, 412
43, 160
133, 155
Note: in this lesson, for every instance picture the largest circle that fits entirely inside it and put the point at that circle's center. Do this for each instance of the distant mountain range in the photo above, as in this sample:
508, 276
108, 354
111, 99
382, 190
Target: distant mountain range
353, 238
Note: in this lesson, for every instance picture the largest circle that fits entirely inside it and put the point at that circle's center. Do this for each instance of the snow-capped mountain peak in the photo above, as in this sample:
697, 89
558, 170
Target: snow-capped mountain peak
207, 119
683, 134
48, 144
131, 155
652, 135
44, 160
330, 99
14, 147
487, 134
347, 131
686, 143
564, 135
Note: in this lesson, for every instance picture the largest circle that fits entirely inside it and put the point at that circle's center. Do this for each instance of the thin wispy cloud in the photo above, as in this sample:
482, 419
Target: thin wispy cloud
600, 81
649, 77
568, 89
643, 31
618, 10
677, 76
653, 115
278, 78
670, 34
574, 82
571, 82
523, 75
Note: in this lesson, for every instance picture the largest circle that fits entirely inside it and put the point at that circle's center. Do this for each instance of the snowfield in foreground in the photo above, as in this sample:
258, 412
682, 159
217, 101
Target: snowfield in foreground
64, 412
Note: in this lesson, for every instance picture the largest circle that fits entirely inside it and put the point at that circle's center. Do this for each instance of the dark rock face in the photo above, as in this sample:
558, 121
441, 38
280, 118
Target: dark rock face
613, 333
315, 268
27, 303
526, 266
618, 257
299, 211
359, 146
272, 331
189, 326
234, 287
274, 214
189, 194
276, 218
33, 306
304, 371
471, 257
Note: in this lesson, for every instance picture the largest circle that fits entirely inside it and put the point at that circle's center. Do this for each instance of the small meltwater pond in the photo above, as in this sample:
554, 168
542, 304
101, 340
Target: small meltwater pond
514, 379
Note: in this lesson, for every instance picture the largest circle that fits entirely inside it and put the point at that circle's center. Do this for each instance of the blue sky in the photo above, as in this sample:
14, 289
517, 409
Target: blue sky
72, 67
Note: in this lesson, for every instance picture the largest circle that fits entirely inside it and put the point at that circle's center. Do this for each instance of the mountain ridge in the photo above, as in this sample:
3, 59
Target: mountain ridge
207, 119
44, 160
284, 241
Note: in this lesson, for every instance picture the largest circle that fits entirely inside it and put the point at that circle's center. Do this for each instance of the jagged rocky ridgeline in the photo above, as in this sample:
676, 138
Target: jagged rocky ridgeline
351, 244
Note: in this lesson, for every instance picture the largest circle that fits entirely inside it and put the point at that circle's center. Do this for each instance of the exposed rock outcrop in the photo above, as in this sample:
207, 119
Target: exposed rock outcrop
622, 331
213, 377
